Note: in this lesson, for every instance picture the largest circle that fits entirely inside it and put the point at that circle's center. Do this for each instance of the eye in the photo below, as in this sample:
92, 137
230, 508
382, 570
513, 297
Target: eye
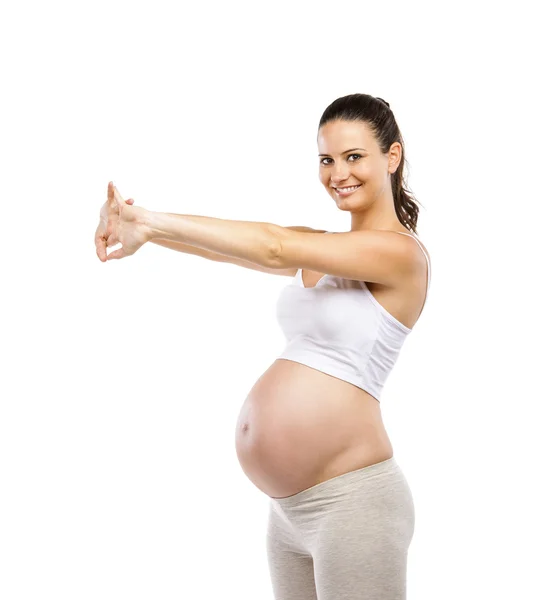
349, 156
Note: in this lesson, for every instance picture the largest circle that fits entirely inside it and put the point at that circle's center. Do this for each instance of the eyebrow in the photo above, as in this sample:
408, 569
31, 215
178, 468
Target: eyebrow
345, 151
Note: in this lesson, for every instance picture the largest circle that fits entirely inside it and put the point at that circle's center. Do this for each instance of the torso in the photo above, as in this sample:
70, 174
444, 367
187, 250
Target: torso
299, 427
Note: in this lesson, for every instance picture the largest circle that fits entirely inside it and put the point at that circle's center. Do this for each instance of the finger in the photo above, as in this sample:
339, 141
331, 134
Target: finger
101, 248
118, 198
110, 230
100, 244
110, 192
112, 240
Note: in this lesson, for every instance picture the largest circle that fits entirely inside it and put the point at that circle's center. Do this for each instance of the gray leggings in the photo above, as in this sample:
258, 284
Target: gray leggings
346, 538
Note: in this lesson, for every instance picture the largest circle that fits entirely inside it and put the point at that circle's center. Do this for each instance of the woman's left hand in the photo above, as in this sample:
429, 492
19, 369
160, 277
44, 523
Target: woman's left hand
130, 226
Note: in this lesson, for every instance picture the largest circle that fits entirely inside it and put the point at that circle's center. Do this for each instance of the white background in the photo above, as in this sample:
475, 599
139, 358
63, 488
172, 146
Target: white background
122, 382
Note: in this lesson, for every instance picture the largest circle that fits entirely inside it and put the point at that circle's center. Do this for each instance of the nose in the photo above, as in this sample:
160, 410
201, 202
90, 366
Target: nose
339, 173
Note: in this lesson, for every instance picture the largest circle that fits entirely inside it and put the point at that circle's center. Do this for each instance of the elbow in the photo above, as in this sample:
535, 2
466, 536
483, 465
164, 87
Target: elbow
274, 247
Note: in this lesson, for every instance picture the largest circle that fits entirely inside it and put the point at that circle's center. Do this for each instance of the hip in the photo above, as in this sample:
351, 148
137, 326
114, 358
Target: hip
372, 503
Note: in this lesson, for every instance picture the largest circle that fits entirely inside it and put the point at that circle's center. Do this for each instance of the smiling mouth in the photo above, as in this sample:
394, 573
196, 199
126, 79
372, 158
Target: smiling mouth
348, 190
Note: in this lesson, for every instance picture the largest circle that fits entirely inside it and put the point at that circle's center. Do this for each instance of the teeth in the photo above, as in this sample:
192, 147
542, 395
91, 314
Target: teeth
348, 189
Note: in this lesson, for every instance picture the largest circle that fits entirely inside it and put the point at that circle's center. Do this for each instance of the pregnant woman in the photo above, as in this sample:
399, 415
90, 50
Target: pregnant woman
310, 433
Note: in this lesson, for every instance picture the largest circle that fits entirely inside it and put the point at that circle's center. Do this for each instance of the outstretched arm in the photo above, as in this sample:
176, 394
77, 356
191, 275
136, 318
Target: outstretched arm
215, 256
248, 240
131, 226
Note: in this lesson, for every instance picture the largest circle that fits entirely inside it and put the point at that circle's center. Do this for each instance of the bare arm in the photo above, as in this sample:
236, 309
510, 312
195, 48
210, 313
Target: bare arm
217, 257
254, 241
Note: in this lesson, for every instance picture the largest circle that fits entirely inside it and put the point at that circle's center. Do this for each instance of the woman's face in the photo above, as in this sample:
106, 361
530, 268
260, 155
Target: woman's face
350, 156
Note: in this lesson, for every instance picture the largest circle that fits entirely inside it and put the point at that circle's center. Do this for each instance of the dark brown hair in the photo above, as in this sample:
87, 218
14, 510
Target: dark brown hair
375, 112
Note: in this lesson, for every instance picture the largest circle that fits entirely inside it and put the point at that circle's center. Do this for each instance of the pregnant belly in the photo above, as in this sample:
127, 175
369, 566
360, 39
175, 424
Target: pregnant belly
299, 427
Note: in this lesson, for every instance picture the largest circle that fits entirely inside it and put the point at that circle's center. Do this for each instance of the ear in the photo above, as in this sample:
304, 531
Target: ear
395, 156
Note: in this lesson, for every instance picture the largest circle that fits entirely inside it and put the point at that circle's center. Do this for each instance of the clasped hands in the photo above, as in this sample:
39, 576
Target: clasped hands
120, 223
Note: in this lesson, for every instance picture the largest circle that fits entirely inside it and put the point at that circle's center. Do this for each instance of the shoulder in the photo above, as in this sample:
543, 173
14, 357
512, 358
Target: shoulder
380, 256
416, 241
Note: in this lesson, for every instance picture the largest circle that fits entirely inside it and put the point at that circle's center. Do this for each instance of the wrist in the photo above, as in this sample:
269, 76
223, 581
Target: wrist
151, 224
164, 226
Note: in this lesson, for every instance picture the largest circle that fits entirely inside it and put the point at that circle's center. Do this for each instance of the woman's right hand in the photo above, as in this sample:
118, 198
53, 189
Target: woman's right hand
108, 217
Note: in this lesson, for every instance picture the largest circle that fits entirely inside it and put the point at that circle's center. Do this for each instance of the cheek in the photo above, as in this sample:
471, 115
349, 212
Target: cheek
363, 172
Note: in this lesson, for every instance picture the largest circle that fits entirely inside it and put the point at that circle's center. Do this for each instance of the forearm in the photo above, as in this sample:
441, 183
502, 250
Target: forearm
249, 240
187, 249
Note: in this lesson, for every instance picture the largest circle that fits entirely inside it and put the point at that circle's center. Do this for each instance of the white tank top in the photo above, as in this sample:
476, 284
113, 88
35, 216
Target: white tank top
339, 328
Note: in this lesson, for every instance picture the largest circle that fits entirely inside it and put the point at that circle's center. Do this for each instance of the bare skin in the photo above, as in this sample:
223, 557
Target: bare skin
120, 223
298, 426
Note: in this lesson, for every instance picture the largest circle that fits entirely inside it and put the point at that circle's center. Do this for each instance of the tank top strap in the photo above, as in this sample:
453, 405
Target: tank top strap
427, 259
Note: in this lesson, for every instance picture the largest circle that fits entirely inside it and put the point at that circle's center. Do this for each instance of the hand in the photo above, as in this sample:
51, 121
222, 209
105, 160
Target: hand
120, 222
107, 230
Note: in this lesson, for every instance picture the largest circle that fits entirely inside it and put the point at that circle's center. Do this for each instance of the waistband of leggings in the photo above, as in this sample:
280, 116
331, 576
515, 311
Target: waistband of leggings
389, 465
